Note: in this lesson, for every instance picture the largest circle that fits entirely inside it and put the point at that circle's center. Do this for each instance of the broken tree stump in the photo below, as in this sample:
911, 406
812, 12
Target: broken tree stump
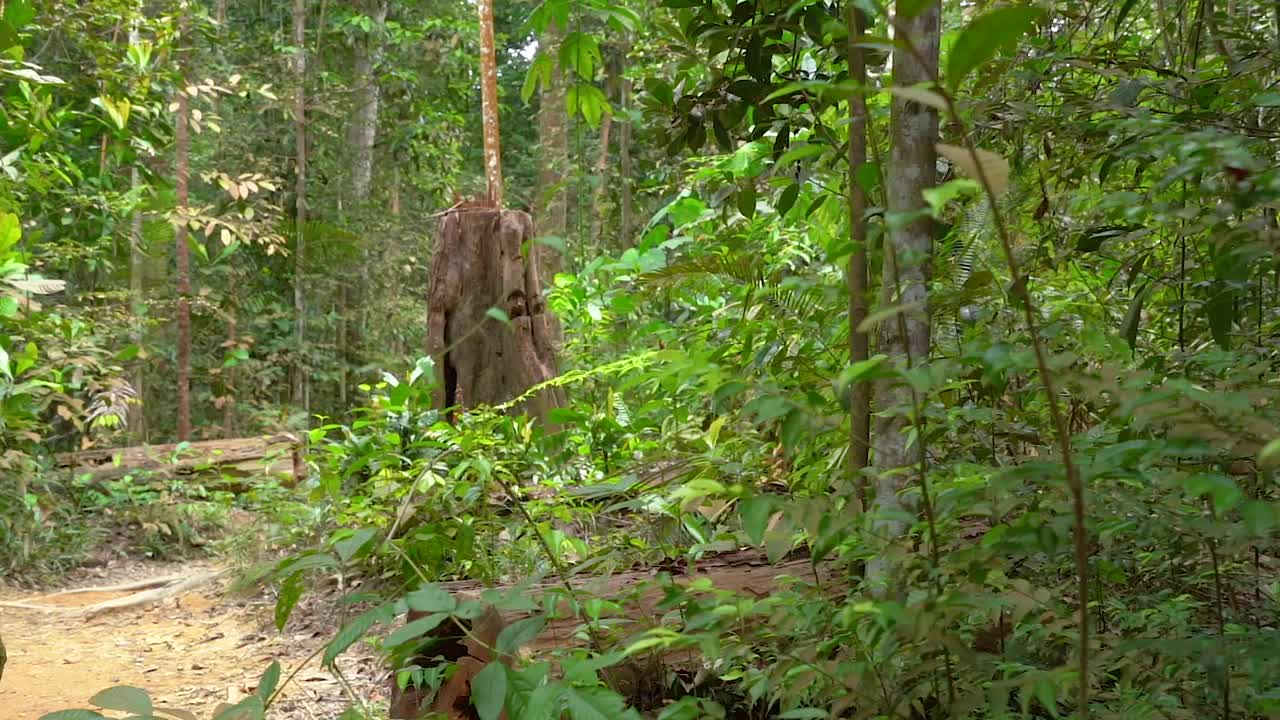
485, 258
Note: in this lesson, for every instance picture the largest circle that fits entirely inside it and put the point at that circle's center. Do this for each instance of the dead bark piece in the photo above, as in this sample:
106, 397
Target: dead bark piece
149, 596
485, 258
147, 584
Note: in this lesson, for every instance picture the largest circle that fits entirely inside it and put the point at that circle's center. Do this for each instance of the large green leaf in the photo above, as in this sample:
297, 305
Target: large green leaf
489, 690
72, 715
415, 629
125, 699
993, 32
520, 633
357, 628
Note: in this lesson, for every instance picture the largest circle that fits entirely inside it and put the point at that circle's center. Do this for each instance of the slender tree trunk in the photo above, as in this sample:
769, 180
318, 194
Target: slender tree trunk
625, 210
551, 210
300, 399
137, 299
137, 313
601, 195
363, 135
489, 103
363, 131
182, 143
908, 247
859, 346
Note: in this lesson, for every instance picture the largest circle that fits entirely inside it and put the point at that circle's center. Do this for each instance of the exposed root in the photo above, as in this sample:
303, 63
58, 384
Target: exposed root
149, 596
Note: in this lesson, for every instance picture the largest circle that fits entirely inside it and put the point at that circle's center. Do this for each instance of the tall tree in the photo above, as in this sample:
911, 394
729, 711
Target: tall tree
489, 103
137, 300
600, 197
182, 149
362, 135
904, 338
363, 130
859, 350
551, 208
300, 399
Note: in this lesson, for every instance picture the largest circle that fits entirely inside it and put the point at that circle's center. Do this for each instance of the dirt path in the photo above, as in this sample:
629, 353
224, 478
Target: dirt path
191, 652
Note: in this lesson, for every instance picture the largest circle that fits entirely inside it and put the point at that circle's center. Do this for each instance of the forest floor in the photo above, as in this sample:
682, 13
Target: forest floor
190, 651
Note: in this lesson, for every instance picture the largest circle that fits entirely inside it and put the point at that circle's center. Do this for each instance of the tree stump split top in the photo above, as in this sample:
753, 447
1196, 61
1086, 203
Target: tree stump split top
478, 264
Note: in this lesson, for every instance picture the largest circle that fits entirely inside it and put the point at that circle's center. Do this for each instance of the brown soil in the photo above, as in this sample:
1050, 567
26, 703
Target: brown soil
190, 652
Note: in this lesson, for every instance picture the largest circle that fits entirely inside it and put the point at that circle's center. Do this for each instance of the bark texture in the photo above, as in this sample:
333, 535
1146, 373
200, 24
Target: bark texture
299, 390
363, 131
550, 207
489, 103
182, 147
904, 338
625, 211
859, 345
480, 361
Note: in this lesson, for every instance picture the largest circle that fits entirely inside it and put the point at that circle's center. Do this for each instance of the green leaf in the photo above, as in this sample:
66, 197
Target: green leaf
802, 151
991, 33
124, 698
415, 629
1221, 310
250, 708
349, 546
787, 199
290, 594
1124, 13
907, 9
18, 13
539, 75
755, 512
269, 682
431, 598
921, 95
1129, 328
489, 690
580, 53
1222, 491
498, 314
520, 633
594, 703
747, 201
72, 715
357, 628
10, 232
1269, 457
759, 61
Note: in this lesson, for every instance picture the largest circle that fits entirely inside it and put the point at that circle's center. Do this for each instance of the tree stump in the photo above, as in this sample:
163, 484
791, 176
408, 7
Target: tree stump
478, 264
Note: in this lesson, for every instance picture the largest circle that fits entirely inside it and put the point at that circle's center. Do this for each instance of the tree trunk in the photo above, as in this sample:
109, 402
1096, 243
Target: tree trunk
300, 399
904, 338
478, 360
363, 135
137, 300
625, 210
364, 118
859, 350
3, 658
489, 103
182, 143
599, 203
551, 209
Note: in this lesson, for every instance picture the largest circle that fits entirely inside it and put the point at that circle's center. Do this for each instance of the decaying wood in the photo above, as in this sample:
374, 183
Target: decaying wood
266, 455
746, 572
147, 597
147, 584
481, 262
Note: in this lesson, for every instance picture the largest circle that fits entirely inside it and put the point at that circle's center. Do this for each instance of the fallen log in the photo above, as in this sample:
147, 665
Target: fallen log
147, 597
275, 455
746, 572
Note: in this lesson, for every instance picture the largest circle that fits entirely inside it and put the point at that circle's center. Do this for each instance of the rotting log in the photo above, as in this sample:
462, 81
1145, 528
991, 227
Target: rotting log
745, 572
274, 455
485, 258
